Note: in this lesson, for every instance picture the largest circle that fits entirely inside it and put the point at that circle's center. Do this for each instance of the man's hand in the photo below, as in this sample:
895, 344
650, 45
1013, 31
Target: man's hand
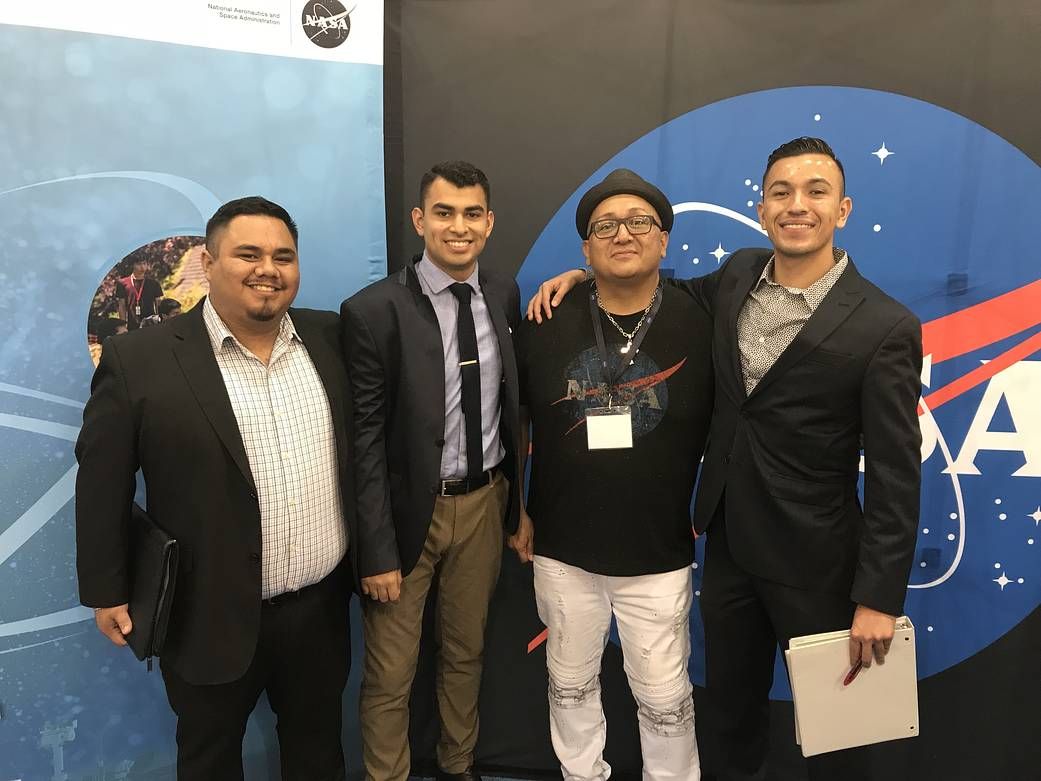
114, 622
385, 587
523, 542
551, 293
870, 636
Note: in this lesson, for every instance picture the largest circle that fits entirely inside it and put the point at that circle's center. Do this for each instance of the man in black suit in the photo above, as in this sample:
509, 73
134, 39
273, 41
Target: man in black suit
813, 365
435, 404
238, 415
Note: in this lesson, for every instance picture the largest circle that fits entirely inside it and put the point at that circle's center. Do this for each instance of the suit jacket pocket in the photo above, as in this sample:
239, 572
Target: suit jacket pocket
794, 489
827, 358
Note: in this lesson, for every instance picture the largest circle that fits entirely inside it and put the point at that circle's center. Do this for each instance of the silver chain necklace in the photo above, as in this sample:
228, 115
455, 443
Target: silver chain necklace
628, 336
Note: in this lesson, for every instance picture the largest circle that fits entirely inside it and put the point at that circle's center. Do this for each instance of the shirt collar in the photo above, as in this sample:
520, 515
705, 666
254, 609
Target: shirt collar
219, 332
438, 280
815, 293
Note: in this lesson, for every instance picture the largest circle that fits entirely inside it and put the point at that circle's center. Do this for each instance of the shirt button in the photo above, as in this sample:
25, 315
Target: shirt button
762, 340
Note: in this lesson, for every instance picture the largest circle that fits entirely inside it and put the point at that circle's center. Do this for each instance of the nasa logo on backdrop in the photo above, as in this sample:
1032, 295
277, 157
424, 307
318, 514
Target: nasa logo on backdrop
941, 220
327, 23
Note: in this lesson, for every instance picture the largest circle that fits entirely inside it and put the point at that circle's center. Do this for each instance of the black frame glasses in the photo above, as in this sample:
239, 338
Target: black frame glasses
636, 224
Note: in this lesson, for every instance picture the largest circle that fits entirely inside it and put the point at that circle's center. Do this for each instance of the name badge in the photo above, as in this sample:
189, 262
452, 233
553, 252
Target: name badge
609, 428
137, 310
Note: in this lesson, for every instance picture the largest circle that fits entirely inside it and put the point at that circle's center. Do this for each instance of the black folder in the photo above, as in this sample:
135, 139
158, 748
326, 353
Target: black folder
153, 574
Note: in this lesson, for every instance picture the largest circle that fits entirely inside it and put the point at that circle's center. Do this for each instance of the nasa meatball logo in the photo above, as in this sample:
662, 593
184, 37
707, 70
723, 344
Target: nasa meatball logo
326, 22
976, 289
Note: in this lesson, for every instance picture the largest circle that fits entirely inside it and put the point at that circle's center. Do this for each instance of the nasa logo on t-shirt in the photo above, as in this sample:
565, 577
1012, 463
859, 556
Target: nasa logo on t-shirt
943, 211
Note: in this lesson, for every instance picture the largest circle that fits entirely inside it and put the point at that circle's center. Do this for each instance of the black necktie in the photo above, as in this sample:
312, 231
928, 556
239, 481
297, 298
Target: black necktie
470, 370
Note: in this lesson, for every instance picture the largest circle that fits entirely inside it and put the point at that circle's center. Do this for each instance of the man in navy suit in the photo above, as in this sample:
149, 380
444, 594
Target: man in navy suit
237, 414
434, 377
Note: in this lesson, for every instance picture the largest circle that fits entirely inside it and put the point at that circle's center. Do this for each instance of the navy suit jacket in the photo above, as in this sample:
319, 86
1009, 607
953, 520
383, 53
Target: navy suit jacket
396, 362
782, 463
158, 403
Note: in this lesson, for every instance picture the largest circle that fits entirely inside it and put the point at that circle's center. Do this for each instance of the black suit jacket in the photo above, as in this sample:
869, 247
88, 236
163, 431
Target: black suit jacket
784, 460
158, 403
396, 362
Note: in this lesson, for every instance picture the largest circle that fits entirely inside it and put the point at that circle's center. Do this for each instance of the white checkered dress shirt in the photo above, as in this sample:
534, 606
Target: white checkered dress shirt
287, 430
772, 316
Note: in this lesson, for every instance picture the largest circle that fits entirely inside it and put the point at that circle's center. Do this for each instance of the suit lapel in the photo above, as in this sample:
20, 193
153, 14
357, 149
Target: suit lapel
839, 304
432, 353
194, 354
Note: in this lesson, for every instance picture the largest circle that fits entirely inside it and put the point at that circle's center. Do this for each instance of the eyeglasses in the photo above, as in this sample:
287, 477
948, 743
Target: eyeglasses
637, 225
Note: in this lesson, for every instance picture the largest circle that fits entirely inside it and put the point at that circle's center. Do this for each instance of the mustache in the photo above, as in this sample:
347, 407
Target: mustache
267, 282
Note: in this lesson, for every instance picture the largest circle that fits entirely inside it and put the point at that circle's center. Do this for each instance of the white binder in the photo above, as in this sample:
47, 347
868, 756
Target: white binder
880, 704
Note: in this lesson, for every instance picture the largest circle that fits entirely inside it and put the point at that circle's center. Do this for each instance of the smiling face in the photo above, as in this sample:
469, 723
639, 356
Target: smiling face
255, 274
625, 257
803, 204
455, 223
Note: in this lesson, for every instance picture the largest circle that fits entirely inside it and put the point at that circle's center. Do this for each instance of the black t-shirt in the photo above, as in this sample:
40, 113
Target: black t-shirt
616, 512
146, 295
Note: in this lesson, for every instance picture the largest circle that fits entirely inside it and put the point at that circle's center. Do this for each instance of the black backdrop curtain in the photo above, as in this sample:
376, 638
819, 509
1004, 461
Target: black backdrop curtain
539, 94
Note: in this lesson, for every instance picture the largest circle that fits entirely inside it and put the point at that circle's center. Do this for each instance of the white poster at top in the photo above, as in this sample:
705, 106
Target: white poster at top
333, 30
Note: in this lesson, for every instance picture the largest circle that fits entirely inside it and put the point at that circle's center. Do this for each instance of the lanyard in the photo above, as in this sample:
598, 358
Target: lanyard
627, 359
134, 292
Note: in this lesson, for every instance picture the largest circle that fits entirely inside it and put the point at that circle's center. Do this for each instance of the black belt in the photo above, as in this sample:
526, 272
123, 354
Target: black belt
292, 596
465, 485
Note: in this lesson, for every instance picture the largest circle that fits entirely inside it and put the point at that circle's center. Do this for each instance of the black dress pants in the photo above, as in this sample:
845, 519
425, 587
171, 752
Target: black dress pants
302, 661
746, 618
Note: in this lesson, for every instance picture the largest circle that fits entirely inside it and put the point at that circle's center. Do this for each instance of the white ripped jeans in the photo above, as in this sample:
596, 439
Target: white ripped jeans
652, 612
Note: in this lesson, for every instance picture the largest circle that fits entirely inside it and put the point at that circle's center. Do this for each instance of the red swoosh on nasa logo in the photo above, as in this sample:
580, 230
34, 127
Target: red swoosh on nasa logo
642, 384
977, 326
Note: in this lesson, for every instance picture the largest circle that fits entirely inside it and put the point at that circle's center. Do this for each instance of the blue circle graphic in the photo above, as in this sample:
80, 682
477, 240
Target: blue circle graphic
942, 218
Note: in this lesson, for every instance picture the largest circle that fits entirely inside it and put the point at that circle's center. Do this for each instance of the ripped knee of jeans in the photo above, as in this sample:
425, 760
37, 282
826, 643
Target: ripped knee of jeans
669, 722
572, 696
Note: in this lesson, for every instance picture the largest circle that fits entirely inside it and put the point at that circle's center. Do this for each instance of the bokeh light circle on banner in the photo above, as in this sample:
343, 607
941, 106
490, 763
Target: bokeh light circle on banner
943, 213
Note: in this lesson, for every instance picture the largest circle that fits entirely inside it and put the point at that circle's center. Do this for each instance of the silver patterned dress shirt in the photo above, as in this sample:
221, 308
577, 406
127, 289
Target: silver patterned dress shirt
772, 316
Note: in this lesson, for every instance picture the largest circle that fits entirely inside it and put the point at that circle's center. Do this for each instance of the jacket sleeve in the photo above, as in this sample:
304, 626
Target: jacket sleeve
701, 289
892, 468
377, 539
106, 451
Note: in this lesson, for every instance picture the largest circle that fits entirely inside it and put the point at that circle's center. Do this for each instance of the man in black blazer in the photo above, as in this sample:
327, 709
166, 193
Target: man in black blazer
434, 379
813, 365
237, 415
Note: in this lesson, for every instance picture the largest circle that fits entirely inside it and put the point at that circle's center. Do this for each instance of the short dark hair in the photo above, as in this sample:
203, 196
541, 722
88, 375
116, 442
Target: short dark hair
247, 206
803, 145
166, 306
457, 172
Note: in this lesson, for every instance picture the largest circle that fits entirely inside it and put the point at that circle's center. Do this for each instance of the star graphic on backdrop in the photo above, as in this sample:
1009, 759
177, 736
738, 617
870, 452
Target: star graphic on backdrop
1002, 581
882, 153
719, 252
1036, 515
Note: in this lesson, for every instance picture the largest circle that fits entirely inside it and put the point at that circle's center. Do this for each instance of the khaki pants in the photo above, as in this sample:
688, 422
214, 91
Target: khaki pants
464, 549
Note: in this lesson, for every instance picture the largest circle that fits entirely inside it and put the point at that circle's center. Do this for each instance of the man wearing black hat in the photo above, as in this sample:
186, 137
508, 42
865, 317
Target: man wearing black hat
620, 396
817, 372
